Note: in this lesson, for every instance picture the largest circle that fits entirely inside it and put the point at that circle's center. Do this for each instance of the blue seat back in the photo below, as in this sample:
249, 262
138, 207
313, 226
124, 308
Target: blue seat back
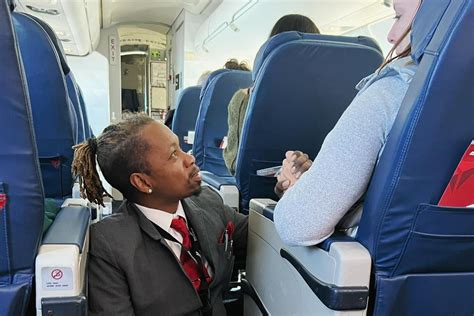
87, 125
54, 117
211, 124
74, 98
184, 118
303, 84
71, 83
21, 193
422, 253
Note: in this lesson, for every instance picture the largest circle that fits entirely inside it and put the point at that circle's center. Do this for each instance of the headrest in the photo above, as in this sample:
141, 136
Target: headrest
209, 79
55, 41
280, 39
426, 21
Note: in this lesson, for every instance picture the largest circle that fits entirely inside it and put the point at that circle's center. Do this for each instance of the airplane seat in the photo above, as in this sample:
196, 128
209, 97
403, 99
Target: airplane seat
54, 117
420, 250
302, 85
71, 83
412, 254
184, 119
87, 126
211, 123
209, 79
21, 193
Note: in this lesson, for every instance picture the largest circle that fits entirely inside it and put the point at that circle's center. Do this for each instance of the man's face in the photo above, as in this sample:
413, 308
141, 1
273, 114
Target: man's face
172, 171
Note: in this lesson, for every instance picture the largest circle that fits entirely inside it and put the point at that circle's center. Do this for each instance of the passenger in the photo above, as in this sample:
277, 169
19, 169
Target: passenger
239, 102
169, 249
234, 64
203, 78
331, 191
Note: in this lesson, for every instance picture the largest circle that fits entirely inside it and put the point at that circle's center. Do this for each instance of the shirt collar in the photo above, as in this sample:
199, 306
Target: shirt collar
161, 218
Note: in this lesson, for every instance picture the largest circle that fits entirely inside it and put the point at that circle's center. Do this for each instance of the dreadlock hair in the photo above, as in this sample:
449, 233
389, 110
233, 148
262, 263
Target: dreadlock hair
119, 153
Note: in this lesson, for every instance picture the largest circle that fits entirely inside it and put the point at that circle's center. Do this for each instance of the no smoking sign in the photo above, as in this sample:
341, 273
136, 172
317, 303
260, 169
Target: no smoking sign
57, 274
57, 279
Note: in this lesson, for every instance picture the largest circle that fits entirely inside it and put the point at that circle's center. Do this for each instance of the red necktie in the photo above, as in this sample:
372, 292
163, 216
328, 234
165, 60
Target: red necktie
189, 265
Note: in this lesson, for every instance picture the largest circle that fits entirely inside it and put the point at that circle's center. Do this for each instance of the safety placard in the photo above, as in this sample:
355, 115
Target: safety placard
57, 278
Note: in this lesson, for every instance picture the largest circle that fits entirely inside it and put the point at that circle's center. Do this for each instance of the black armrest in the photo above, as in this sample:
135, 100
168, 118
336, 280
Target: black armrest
248, 290
334, 297
335, 237
71, 306
69, 227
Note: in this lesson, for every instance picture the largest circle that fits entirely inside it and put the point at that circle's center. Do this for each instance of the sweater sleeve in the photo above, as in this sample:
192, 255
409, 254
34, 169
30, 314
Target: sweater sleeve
236, 114
310, 210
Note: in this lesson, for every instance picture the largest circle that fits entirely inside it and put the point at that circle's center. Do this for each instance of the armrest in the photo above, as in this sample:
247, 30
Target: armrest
216, 181
61, 261
264, 207
225, 186
335, 297
316, 281
69, 227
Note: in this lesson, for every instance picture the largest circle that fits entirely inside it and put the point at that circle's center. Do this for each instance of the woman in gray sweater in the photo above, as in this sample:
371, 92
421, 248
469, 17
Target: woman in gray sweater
338, 178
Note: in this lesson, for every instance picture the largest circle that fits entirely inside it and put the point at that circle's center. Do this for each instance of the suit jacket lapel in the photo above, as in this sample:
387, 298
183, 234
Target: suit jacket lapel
145, 224
197, 219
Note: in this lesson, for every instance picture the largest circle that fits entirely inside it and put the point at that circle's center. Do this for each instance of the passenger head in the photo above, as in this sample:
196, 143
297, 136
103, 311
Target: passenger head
235, 65
141, 158
399, 35
203, 78
294, 22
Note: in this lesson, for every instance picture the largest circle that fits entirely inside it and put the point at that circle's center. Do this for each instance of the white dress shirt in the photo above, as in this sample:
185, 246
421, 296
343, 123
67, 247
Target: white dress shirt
163, 220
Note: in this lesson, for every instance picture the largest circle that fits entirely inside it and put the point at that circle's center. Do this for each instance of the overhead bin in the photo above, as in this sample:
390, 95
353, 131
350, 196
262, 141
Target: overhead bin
76, 23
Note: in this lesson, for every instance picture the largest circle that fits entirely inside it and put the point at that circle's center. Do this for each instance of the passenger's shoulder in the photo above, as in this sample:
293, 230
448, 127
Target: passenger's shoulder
115, 224
207, 198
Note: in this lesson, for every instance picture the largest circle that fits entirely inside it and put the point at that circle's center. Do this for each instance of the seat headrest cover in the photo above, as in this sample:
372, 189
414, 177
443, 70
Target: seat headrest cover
272, 43
209, 79
55, 40
426, 21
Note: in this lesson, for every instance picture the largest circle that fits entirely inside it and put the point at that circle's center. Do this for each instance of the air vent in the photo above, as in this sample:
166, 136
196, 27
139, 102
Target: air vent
42, 10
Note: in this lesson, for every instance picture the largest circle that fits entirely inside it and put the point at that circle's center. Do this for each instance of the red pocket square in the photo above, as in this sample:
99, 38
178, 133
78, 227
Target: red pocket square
229, 230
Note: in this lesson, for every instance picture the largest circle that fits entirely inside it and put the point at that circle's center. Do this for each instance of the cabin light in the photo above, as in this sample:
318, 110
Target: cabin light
233, 27
43, 10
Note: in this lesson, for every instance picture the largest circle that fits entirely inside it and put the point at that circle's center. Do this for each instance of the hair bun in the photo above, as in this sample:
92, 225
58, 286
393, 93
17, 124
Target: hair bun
92, 142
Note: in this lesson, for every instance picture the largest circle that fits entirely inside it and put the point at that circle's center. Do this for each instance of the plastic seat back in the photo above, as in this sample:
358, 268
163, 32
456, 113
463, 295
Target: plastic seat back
303, 84
211, 123
184, 119
422, 252
54, 117
21, 192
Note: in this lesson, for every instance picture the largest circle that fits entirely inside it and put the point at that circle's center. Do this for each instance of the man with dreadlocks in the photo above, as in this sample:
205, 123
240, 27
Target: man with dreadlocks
171, 247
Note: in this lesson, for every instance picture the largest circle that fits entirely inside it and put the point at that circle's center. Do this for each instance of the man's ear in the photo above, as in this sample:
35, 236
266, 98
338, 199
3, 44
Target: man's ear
141, 182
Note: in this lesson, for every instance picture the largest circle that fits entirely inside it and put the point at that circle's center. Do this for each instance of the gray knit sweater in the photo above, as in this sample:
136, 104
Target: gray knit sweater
310, 210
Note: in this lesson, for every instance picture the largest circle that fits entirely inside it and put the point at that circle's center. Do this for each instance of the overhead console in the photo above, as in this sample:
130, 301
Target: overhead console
76, 23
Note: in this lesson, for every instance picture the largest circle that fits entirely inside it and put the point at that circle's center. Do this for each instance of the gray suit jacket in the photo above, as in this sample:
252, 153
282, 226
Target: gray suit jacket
132, 271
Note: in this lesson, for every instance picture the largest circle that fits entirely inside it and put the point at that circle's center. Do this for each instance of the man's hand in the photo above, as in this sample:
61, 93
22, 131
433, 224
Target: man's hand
294, 165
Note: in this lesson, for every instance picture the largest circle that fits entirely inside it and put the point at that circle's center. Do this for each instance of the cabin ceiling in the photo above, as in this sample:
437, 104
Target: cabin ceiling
149, 11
